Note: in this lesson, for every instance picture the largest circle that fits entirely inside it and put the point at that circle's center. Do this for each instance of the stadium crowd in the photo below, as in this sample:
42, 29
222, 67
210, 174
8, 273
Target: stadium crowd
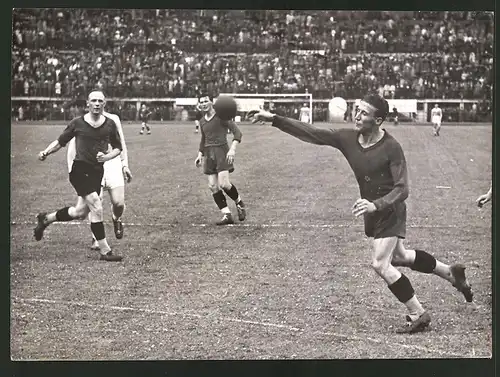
171, 53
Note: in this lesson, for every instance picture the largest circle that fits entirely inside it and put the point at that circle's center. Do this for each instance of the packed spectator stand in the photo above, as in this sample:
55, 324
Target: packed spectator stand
174, 53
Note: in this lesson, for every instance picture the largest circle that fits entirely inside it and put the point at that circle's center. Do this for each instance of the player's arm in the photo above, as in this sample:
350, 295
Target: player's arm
399, 172
60, 142
237, 135
307, 132
116, 146
124, 152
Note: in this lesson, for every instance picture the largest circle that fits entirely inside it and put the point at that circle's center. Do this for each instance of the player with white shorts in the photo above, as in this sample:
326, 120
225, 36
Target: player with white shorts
305, 114
116, 171
436, 115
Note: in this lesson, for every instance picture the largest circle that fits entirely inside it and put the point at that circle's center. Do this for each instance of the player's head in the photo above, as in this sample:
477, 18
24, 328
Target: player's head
96, 102
371, 112
205, 102
143, 106
436, 106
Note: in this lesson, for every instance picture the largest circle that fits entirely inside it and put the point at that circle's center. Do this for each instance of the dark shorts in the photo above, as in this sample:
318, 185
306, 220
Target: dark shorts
215, 160
390, 222
86, 178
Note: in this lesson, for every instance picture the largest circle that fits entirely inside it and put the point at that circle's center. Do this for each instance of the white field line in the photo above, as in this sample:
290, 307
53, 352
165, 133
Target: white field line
432, 351
241, 225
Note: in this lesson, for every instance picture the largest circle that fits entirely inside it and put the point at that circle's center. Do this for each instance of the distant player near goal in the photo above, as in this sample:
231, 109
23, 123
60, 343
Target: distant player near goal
305, 114
379, 165
116, 172
144, 116
436, 116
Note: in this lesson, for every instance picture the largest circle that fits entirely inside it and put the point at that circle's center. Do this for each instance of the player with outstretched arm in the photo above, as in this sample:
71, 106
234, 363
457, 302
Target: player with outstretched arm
379, 165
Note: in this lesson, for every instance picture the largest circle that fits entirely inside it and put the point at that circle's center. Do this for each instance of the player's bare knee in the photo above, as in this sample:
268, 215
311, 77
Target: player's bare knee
380, 266
225, 185
214, 187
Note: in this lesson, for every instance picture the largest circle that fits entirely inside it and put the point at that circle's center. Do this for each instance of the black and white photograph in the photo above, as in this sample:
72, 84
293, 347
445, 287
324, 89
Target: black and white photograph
206, 184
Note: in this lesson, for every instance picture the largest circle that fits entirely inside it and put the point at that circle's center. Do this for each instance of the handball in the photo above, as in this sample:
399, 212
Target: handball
225, 107
337, 108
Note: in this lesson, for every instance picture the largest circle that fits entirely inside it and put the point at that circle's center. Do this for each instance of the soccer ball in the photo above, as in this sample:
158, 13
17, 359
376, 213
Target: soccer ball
337, 108
225, 107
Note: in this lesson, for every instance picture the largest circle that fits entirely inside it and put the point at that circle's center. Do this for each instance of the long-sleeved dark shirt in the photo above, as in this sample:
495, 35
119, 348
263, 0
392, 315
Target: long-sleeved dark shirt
379, 169
91, 140
214, 132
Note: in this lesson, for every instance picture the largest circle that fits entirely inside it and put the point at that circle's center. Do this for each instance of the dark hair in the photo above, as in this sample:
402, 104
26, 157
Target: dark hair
206, 95
379, 103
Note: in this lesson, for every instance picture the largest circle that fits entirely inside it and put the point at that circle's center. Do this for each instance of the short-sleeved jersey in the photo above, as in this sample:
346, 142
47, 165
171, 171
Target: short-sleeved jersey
214, 132
144, 115
436, 111
123, 155
379, 169
90, 140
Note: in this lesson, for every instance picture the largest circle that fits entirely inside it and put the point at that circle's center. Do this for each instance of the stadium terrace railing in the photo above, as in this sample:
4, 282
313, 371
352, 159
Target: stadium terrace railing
183, 109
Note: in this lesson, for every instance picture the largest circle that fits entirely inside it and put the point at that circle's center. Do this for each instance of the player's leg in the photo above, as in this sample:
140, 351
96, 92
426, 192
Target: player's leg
95, 244
398, 283
117, 197
97, 226
220, 200
438, 127
231, 191
143, 126
77, 212
148, 128
421, 261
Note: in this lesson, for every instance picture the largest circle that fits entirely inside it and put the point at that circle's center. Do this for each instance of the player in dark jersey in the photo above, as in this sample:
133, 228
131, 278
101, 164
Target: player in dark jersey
218, 159
93, 134
379, 165
144, 116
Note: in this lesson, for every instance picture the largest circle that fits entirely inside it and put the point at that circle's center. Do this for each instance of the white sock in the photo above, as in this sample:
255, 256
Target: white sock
103, 245
225, 210
415, 308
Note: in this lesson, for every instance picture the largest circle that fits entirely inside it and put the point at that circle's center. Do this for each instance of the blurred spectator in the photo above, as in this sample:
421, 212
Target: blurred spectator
170, 53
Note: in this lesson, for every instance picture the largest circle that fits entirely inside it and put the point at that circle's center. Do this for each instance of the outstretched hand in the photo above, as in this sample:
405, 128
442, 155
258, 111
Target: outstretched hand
260, 115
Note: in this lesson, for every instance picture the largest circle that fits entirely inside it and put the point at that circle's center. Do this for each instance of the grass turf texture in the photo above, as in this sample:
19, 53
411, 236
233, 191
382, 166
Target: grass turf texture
293, 281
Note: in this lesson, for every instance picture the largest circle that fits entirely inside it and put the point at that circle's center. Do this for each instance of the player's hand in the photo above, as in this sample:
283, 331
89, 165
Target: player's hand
101, 157
260, 115
42, 156
197, 162
127, 175
230, 155
362, 206
483, 199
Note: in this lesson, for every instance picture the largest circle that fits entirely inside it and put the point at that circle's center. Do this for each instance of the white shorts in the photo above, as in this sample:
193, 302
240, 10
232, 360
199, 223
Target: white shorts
113, 174
304, 118
436, 120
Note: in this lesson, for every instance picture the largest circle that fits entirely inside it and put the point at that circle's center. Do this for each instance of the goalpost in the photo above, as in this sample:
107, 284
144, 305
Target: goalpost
252, 101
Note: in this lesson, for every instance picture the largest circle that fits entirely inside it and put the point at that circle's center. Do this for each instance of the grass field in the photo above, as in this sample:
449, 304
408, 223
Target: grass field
293, 281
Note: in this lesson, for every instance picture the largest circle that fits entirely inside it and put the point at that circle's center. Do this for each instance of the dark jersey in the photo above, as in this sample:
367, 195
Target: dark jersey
91, 140
144, 115
379, 169
214, 132
395, 111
